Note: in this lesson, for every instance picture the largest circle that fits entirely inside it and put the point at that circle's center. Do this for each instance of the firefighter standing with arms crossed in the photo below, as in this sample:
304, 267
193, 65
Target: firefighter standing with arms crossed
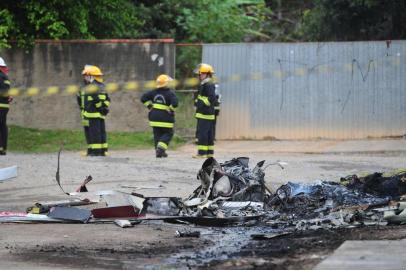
205, 112
94, 104
4, 106
161, 103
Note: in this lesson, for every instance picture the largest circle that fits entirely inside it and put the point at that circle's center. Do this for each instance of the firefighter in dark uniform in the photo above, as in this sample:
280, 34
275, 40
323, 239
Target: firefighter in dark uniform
216, 109
205, 113
4, 106
94, 103
161, 103
216, 112
81, 95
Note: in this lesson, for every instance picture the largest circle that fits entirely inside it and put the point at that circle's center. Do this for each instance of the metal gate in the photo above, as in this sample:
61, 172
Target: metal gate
310, 90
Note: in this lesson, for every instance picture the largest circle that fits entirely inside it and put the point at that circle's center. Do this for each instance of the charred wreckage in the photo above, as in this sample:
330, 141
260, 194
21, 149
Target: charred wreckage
233, 193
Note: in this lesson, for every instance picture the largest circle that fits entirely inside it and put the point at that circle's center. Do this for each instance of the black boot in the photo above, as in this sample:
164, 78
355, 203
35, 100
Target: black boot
164, 154
160, 153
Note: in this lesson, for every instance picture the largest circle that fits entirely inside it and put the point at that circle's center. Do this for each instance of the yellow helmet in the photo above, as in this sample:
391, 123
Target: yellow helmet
92, 71
163, 80
204, 68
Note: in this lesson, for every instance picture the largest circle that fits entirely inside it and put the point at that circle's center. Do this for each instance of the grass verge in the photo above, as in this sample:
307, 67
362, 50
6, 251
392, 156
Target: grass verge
31, 140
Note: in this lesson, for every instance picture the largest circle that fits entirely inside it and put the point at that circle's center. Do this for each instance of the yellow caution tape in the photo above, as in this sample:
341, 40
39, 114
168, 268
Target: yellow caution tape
194, 82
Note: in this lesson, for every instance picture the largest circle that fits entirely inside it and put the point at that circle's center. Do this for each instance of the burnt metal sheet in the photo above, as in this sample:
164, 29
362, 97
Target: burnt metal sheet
70, 214
8, 173
127, 211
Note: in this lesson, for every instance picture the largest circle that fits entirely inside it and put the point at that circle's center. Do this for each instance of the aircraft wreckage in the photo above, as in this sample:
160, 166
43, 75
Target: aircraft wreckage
233, 193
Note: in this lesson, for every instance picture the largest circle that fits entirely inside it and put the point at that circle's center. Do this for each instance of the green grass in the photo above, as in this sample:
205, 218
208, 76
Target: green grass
31, 140
185, 119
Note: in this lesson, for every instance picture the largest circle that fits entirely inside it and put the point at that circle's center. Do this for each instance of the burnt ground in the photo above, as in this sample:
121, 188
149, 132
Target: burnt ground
302, 250
217, 248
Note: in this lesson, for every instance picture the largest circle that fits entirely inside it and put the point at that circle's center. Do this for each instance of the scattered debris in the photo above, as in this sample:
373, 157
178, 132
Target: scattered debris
43, 207
8, 173
127, 211
228, 189
396, 216
142, 187
123, 223
82, 187
267, 236
70, 213
18, 217
187, 233
379, 184
232, 193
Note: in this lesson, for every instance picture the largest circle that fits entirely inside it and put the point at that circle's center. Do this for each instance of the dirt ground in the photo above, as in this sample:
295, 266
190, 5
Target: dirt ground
153, 244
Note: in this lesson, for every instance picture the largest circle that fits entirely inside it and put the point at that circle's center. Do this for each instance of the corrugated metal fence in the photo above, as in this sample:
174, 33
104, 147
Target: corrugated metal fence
310, 90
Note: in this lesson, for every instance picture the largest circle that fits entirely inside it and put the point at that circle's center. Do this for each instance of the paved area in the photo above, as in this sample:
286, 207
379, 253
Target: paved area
139, 170
315, 146
367, 255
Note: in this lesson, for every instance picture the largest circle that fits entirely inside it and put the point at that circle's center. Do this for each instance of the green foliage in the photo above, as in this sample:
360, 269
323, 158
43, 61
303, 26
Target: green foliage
187, 58
214, 21
31, 140
159, 17
6, 24
25, 21
185, 122
355, 20
201, 21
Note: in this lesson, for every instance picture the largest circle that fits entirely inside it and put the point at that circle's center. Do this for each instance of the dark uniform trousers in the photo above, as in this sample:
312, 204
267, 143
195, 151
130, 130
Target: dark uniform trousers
162, 137
205, 137
3, 129
97, 137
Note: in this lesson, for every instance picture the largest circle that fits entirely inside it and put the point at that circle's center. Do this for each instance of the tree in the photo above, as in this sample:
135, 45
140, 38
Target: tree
214, 21
355, 20
25, 21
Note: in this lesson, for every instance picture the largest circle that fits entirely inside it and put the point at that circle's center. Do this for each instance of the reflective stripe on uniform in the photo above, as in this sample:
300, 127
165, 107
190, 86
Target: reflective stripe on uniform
210, 147
82, 100
102, 96
147, 103
95, 146
162, 145
203, 147
161, 124
105, 145
85, 122
6, 82
204, 99
205, 116
107, 103
98, 104
172, 108
2, 105
160, 107
217, 108
93, 115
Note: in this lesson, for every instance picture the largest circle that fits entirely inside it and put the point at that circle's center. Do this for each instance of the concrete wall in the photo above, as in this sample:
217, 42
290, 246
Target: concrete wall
340, 90
59, 63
